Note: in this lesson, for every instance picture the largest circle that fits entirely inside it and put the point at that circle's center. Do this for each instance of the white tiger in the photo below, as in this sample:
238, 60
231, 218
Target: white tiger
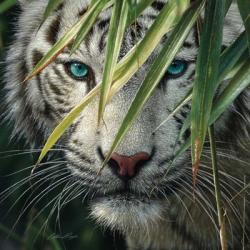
137, 192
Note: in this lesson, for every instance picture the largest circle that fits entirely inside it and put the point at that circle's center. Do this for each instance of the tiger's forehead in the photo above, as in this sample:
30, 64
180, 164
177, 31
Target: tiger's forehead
72, 10
94, 44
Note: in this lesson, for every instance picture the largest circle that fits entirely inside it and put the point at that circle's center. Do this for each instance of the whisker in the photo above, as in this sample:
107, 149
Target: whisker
183, 204
55, 161
41, 181
226, 197
201, 196
22, 153
39, 197
24, 181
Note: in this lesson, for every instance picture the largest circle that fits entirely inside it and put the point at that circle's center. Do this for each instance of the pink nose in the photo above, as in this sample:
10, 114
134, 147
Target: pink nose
126, 167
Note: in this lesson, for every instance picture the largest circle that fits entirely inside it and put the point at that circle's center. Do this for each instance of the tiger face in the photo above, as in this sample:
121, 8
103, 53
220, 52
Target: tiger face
137, 189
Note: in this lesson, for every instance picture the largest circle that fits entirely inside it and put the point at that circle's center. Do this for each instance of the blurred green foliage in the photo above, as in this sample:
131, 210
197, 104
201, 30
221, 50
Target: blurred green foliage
76, 230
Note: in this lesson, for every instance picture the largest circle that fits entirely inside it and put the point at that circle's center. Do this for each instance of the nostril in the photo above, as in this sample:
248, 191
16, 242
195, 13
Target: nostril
113, 165
126, 167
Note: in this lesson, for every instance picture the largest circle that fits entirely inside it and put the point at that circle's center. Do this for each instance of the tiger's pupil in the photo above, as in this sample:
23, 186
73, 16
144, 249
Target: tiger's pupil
79, 70
177, 68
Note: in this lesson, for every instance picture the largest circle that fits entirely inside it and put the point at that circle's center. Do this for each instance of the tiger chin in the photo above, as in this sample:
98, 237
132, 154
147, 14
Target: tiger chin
140, 193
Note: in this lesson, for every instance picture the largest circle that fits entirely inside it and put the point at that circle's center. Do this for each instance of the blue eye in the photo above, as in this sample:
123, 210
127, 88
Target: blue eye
77, 70
177, 68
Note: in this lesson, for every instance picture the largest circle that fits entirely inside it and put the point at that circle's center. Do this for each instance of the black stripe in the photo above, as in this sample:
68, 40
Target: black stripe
55, 89
158, 5
58, 112
187, 45
61, 101
82, 12
152, 17
62, 79
178, 120
88, 39
196, 35
47, 112
103, 24
63, 111
73, 127
80, 156
36, 57
84, 169
102, 42
52, 31
136, 31
186, 135
60, 7
63, 90
35, 133
26, 119
184, 113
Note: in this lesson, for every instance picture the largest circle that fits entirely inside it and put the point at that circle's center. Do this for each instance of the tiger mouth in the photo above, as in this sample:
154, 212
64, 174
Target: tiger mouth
127, 194
124, 196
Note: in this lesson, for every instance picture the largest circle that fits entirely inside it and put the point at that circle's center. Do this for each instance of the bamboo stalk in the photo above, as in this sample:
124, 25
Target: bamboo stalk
221, 217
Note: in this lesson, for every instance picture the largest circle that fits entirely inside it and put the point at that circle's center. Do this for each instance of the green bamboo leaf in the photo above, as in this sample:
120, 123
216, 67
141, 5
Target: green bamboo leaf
93, 2
237, 66
134, 12
115, 37
52, 5
206, 78
7, 4
132, 3
231, 55
138, 55
244, 7
228, 4
129, 63
167, 18
229, 61
136, 9
238, 83
160, 65
217, 188
66, 122
138, 6
64, 41
178, 107
88, 24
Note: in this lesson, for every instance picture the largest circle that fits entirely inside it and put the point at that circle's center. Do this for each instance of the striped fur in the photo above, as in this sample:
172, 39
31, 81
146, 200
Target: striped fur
158, 212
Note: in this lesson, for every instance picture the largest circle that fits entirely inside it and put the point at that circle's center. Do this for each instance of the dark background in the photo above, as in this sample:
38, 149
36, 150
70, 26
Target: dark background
77, 230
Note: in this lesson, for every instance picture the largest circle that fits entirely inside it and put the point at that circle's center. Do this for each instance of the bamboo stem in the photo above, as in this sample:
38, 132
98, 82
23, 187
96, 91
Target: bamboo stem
221, 217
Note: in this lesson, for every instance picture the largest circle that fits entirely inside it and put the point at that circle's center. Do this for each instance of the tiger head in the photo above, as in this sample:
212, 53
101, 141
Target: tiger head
139, 187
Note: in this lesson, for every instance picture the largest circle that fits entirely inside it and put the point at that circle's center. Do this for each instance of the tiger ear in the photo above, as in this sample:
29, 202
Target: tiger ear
233, 25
